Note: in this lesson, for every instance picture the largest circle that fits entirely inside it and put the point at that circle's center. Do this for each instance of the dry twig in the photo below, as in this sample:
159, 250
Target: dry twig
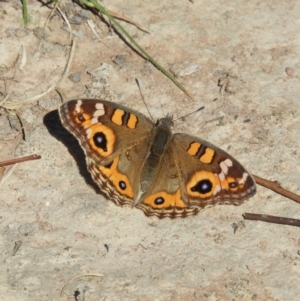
272, 219
275, 186
19, 160
4, 175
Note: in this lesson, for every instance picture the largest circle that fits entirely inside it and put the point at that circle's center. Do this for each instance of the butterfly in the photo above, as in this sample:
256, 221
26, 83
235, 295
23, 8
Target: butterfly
140, 163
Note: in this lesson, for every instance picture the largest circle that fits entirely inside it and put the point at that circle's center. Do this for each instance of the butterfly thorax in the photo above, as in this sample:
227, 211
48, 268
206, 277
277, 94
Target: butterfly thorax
161, 136
158, 146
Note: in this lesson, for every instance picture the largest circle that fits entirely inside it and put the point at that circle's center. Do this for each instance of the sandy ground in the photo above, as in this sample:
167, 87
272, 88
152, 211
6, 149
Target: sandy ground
53, 211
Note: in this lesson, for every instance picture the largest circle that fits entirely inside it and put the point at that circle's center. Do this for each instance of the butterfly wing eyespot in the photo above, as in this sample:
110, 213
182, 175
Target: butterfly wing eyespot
101, 140
202, 184
203, 187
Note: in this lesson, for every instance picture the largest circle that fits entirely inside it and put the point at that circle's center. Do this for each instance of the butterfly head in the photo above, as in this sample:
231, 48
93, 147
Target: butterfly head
166, 122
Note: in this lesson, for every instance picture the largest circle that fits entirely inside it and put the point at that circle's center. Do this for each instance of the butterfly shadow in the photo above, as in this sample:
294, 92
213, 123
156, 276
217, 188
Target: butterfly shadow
55, 128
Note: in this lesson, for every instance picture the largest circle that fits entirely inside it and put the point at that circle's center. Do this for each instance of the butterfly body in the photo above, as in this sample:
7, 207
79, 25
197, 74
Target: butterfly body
138, 163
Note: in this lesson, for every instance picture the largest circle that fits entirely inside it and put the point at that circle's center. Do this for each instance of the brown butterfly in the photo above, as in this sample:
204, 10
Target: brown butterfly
138, 163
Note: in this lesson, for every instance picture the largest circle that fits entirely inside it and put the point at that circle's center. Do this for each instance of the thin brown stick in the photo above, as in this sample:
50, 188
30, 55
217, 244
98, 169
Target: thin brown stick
275, 186
272, 219
19, 160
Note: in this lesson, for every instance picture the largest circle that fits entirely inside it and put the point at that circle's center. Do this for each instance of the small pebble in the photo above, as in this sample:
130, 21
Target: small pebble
86, 14
119, 59
289, 71
39, 32
184, 70
21, 199
28, 228
75, 77
77, 20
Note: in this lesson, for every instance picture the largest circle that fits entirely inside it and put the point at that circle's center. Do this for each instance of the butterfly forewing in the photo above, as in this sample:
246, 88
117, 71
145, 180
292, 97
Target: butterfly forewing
104, 129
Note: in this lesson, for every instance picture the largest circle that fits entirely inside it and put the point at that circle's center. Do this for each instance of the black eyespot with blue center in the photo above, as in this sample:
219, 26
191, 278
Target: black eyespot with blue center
203, 186
100, 141
233, 185
122, 185
81, 117
159, 201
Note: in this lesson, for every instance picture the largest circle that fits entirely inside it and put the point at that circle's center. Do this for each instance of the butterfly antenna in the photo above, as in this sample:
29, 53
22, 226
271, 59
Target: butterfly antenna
199, 109
138, 84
